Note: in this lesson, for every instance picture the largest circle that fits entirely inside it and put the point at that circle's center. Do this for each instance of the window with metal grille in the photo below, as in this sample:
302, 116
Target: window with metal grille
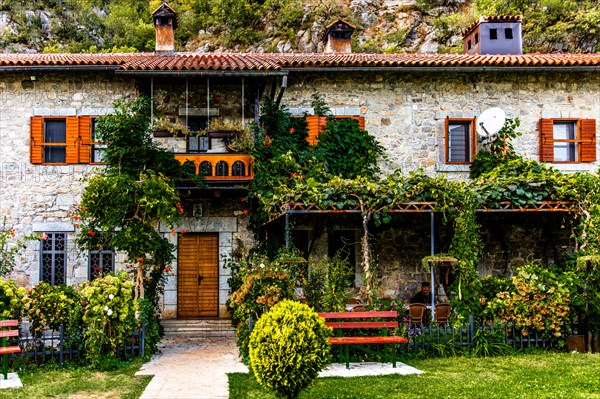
238, 169
206, 168
54, 258
222, 169
102, 262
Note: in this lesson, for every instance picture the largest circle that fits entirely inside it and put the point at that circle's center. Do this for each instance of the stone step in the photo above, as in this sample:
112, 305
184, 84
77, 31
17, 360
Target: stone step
198, 328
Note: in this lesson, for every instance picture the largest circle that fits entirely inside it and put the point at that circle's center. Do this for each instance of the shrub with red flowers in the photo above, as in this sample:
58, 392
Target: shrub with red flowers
539, 300
10, 245
257, 284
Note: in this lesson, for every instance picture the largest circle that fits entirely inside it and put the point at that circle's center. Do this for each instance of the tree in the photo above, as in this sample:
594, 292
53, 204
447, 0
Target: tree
124, 203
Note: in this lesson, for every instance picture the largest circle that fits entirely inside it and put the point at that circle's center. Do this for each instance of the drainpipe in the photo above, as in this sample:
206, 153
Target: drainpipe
431, 270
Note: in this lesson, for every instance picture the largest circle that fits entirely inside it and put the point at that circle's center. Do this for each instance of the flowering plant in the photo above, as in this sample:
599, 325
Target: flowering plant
257, 284
11, 299
539, 300
49, 306
108, 315
10, 245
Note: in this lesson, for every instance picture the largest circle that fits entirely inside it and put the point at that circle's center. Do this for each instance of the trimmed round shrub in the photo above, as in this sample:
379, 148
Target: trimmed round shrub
288, 348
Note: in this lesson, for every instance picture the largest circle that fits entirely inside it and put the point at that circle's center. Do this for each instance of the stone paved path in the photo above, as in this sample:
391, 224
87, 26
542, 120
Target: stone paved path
192, 368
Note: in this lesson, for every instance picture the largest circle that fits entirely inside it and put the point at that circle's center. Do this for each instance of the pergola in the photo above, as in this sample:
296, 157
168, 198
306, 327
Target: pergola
297, 208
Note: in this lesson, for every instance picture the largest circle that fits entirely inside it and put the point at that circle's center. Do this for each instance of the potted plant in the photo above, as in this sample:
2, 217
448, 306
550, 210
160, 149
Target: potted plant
241, 142
168, 127
216, 96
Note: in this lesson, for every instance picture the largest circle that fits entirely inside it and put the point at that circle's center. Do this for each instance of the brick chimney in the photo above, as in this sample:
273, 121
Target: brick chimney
338, 37
494, 35
165, 23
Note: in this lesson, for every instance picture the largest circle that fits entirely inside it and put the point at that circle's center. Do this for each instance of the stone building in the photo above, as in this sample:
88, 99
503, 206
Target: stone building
421, 108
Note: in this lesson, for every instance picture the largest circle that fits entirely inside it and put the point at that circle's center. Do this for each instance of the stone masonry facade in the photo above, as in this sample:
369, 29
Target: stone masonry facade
404, 111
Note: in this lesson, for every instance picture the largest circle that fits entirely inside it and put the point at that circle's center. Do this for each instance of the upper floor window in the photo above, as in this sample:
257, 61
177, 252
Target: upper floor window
567, 140
493, 34
63, 140
55, 141
97, 147
508, 33
460, 140
53, 256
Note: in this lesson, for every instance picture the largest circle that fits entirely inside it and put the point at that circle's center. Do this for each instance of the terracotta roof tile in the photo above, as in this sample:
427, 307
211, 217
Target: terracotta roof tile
273, 62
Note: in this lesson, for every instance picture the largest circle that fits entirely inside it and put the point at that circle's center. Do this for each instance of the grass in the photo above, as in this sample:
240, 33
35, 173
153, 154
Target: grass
75, 382
539, 376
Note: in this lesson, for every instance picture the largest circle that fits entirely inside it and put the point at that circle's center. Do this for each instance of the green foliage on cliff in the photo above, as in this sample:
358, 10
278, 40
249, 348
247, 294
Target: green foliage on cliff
126, 25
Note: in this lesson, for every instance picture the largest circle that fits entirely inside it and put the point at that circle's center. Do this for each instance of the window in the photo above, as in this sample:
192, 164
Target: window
55, 140
98, 147
315, 125
61, 140
206, 168
197, 144
469, 45
460, 140
508, 33
238, 169
493, 34
567, 140
222, 168
54, 258
476, 38
102, 262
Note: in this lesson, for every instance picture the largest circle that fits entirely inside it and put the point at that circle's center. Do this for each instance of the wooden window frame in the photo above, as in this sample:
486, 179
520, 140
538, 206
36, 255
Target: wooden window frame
472, 135
46, 144
585, 130
78, 140
92, 143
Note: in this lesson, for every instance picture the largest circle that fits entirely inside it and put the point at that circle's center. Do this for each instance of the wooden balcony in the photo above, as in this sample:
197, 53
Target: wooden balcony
219, 166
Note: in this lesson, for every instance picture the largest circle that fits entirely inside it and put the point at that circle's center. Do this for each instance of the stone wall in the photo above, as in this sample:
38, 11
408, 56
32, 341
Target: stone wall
510, 241
38, 197
406, 111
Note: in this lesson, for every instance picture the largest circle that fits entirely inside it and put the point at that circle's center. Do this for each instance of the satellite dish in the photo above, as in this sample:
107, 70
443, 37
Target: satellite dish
490, 121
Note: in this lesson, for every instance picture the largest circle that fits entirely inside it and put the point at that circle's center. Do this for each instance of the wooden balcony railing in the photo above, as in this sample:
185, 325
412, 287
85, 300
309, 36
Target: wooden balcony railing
233, 167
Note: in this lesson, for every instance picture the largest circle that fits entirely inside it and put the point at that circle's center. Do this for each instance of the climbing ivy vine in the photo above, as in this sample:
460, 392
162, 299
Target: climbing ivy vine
286, 174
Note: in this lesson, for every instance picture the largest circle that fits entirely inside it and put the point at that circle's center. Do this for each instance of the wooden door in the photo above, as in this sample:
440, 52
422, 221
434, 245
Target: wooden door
198, 275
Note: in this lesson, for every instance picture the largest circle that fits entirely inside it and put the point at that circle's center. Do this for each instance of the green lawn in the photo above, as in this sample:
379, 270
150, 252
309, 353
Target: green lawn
547, 375
79, 382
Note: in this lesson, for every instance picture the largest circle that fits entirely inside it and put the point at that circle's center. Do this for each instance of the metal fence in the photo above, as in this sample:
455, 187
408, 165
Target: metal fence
58, 347
471, 333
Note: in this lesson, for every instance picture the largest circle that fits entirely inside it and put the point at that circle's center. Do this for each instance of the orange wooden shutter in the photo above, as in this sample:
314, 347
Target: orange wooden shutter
473, 139
36, 154
85, 133
546, 128
312, 127
588, 140
73, 141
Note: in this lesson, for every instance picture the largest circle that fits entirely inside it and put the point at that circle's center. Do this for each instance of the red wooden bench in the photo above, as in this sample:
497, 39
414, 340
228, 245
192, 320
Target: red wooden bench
347, 321
5, 332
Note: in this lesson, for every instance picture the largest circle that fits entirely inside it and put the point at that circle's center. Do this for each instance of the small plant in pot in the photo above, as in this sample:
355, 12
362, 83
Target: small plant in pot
166, 124
241, 142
